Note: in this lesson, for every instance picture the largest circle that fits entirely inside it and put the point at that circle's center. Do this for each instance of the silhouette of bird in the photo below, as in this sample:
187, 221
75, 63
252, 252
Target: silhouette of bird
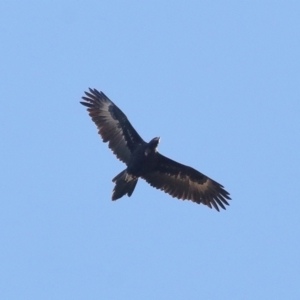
144, 161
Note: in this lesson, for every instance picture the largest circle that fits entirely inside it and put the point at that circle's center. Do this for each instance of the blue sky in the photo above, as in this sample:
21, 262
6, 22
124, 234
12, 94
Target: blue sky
217, 81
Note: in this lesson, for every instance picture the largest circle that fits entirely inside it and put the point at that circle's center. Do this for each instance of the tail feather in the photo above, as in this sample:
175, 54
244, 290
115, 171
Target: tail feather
125, 184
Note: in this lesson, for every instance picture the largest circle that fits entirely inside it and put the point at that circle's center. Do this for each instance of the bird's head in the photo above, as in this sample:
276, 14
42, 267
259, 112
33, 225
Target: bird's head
152, 145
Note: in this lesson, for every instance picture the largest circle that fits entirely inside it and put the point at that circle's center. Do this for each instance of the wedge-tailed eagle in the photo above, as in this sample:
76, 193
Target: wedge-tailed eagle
144, 161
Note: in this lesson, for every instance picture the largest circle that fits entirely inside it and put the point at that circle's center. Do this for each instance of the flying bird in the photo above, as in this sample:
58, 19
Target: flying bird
144, 161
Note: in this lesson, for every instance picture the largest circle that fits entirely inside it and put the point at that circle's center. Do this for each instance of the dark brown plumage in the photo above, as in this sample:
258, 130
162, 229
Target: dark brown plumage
143, 160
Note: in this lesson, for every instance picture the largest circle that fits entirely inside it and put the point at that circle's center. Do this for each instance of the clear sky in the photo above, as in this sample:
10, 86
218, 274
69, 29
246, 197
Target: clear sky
218, 81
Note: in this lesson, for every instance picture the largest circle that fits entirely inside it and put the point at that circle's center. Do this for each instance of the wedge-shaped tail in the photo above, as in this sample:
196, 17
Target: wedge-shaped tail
125, 184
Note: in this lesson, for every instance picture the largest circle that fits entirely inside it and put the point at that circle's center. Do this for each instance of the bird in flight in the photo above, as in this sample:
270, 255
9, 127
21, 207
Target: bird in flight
144, 161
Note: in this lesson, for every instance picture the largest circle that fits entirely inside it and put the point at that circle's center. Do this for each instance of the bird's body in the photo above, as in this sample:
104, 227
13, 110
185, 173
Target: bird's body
144, 161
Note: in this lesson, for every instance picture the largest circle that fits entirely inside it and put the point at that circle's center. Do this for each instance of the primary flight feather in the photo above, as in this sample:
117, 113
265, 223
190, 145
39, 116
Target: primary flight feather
144, 161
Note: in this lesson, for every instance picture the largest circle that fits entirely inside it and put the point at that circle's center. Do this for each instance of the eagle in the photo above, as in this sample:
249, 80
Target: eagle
144, 161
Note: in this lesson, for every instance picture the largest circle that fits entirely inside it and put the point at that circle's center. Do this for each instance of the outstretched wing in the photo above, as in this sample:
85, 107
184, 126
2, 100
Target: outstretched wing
184, 182
113, 125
